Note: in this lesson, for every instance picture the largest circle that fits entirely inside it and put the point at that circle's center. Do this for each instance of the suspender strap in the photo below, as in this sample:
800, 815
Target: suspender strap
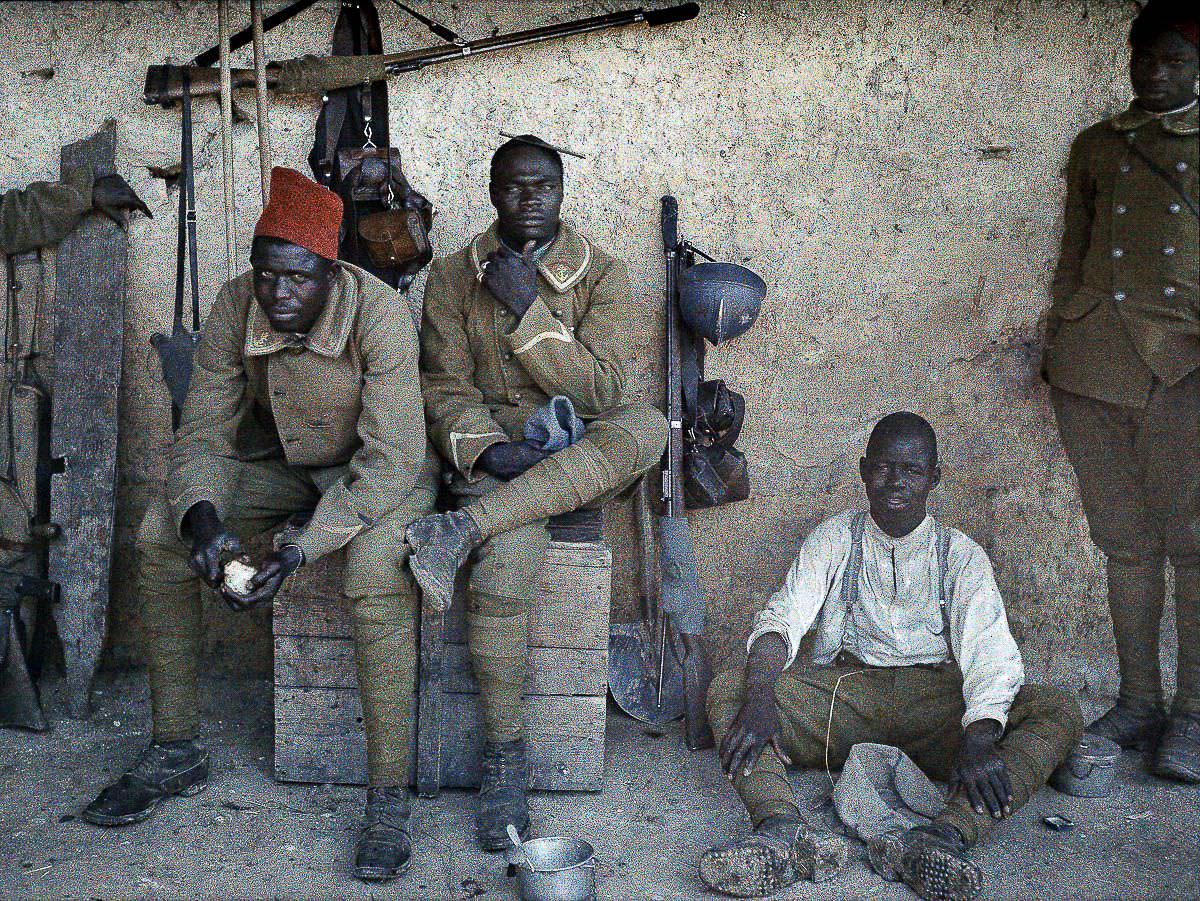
850, 576
944, 591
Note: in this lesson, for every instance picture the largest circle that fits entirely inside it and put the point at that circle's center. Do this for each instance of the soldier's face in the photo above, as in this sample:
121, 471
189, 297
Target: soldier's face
898, 474
291, 284
1163, 72
527, 192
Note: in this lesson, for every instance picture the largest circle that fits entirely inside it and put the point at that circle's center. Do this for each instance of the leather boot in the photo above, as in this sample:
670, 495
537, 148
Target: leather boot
502, 793
162, 771
384, 847
1179, 754
438, 546
1130, 727
779, 853
930, 860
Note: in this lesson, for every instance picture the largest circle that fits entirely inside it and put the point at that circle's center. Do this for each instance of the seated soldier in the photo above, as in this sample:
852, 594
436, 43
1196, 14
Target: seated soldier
304, 400
529, 310
44, 213
912, 650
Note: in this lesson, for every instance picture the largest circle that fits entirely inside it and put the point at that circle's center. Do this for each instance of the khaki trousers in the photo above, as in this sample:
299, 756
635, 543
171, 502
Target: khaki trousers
1139, 479
918, 709
618, 447
381, 591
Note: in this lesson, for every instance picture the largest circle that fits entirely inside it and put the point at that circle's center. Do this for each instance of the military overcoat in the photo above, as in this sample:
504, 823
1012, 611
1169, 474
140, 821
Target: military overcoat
1126, 308
43, 213
343, 402
483, 372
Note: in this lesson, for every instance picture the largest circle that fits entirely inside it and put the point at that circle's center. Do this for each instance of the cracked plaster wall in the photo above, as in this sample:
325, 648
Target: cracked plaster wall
894, 170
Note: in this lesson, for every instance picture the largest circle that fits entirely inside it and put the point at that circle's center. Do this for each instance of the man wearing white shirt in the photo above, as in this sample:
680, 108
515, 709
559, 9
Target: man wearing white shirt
913, 650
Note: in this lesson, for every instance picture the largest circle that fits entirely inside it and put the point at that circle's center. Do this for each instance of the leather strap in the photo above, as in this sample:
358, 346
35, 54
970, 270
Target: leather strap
1161, 173
185, 245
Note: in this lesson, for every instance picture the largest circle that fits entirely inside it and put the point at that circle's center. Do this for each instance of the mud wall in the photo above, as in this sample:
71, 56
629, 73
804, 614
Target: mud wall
894, 170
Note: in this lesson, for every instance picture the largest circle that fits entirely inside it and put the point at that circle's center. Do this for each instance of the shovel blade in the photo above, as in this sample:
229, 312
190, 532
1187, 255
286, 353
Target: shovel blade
175, 353
19, 704
633, 675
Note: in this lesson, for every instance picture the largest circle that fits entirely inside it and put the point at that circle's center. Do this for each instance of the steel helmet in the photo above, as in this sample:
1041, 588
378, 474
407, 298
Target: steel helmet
720, 301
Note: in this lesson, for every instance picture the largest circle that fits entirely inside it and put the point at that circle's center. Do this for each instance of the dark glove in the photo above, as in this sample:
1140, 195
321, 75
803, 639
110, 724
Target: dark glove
509, 459
269, 579
980, 771
112, 196
210, 541
755, 726
512, 277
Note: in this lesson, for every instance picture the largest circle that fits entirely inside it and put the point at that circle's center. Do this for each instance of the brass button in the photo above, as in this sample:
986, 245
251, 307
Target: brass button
1117, 253
1119, 296
1168, 251
1181, 166
1173, 208
516, 397
1124, 167
558, 314
1122, 209
1169, 291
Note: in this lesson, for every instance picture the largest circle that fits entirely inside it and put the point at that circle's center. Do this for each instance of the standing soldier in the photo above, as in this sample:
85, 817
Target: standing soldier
304, 400
530, 310
1123, 360
46, 212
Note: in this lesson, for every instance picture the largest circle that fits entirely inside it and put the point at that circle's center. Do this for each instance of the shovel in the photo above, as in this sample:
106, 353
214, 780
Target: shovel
175, 351
644, 676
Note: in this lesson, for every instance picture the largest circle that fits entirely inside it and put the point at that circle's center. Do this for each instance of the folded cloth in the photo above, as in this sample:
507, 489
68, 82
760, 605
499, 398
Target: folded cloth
881, 790
555, 425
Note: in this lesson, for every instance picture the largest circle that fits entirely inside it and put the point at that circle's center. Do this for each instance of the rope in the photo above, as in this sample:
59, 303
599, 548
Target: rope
264, 109
829, 723
227, 137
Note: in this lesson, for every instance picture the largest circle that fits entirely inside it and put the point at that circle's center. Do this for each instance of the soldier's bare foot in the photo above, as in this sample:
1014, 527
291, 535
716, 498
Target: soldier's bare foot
438, 546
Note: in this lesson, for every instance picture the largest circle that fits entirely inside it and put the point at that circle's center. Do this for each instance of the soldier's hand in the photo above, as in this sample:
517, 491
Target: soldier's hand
980, 771
512, 277
265, 584
112, 196
509, 459
211, 541
754, 728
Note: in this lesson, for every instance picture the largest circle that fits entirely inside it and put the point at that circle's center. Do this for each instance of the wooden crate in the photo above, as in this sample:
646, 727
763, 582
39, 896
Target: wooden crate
318, 716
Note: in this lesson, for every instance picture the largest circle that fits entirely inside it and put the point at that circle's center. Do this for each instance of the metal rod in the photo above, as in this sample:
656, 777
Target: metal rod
264, 102
243, 37
227, 137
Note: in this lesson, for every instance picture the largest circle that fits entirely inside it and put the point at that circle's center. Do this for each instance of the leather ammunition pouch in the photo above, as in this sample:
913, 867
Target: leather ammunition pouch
714, 471
396, 236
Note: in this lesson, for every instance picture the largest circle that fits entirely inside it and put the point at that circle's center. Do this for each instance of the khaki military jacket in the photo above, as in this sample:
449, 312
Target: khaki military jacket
483, 372
343, 401
1126, 308
43, 213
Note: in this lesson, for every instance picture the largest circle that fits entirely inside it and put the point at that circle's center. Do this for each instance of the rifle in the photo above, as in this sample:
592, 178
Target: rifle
682, 601
316, 74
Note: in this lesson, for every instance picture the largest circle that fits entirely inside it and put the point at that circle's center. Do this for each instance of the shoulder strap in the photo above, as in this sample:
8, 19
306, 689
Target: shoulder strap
945, 591
850, 576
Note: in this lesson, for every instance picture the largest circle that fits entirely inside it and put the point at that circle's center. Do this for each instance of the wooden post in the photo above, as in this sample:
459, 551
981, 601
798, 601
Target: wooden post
88, 320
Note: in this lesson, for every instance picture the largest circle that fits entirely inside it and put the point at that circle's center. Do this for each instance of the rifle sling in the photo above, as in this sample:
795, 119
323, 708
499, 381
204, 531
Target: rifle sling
1163, 174
185, 245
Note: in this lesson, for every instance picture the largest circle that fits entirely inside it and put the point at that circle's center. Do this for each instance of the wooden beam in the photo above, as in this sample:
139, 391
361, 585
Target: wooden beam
89, 311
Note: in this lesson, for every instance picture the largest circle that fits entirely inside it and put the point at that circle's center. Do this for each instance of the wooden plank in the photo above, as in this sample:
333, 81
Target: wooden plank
319, 738
318, 662
89, 310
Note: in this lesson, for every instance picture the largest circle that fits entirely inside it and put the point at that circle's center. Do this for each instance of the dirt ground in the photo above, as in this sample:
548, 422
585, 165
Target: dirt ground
248, 836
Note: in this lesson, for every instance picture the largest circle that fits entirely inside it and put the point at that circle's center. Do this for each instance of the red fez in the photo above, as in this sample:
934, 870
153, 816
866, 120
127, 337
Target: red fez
302, 212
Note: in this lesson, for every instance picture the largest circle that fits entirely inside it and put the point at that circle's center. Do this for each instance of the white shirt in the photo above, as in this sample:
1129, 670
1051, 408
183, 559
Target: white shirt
898, 621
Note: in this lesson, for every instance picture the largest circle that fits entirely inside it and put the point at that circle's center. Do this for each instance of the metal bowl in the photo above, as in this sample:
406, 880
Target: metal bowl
554, 869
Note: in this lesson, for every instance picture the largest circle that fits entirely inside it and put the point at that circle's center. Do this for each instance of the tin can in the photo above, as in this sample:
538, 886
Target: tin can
1090, 770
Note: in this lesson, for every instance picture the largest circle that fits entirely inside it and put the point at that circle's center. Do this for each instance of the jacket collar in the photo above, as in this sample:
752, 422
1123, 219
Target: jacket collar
327, 337
564, 263
1182, 121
